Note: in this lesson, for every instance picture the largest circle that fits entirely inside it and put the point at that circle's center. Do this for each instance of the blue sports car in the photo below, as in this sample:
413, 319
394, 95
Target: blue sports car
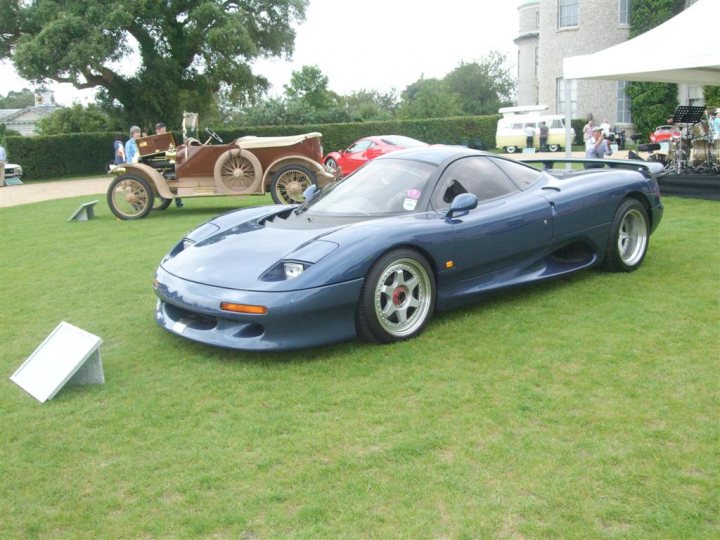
374, 255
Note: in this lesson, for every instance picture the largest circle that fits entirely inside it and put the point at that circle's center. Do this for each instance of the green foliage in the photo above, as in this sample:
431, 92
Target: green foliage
429, 98
86, 153
554, 411
371, 105
17, 100
188, 51
473, 131
482, 87
5, 132
651, 103
712, 96
76, 119
55, 156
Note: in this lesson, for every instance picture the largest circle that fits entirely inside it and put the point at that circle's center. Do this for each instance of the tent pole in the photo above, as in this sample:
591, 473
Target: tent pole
568, 118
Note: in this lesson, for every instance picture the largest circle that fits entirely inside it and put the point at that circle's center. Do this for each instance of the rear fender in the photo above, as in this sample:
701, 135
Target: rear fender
323, 177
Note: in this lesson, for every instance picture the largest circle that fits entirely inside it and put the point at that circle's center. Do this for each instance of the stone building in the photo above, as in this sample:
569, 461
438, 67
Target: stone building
25, 120
550, 30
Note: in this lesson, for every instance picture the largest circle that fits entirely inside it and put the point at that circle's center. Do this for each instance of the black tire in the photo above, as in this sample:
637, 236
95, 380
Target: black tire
289, 183
553, 147
162, 203
511, 149
629, 237
130, 197
397, 299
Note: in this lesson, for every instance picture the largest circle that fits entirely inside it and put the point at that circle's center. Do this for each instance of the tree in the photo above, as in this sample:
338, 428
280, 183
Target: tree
18, 100
187, 50
76, 119
482, 87
429, 98
651, 103
371, 105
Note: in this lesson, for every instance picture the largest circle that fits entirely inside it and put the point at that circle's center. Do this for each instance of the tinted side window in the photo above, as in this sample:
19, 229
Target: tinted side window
360, 146
524, 176
477, 175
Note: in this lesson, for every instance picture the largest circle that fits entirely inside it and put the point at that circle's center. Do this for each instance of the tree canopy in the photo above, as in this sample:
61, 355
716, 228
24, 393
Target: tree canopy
17, 100
186, 50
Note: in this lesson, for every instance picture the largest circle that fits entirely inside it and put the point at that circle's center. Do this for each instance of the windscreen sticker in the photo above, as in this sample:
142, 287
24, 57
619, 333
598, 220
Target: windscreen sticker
413, 194
409, 204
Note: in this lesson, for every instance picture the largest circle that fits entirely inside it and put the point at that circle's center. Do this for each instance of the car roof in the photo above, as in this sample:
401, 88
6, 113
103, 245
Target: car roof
433, 154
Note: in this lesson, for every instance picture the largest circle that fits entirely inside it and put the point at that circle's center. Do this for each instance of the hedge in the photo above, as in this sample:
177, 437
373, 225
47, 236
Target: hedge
80, 154
54, 156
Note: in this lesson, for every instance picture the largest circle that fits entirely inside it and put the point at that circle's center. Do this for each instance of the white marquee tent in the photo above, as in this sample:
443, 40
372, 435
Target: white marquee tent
684, 49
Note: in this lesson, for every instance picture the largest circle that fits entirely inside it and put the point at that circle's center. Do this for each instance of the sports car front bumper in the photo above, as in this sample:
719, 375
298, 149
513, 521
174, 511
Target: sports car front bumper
294, 319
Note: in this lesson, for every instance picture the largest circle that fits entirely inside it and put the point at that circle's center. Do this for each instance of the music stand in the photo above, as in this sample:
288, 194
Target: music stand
688, 114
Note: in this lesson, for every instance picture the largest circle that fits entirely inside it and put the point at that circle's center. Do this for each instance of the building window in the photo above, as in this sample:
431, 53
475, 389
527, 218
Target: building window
537, 19
624, 12
560, 89
623, 104
567, 13
536, 61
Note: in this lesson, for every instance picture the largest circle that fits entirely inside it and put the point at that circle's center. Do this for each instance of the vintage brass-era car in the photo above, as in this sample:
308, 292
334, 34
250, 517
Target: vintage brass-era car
284, 166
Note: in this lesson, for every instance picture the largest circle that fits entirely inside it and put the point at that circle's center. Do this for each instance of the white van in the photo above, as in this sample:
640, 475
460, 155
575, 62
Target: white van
510, 134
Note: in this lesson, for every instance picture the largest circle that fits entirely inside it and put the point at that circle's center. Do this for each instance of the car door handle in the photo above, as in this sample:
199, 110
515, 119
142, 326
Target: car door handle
552, 188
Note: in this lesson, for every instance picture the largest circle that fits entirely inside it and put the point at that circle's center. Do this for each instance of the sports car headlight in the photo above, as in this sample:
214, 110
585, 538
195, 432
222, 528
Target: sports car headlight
293, 269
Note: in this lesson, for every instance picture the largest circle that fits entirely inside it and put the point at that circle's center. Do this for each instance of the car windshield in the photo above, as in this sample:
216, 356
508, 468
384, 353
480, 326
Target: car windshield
383, 186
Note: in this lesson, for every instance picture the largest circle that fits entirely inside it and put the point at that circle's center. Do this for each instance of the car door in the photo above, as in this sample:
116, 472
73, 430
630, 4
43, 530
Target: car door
510, 224
355, 155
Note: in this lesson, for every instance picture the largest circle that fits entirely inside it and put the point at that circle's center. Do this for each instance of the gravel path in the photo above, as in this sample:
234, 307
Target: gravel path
61, 189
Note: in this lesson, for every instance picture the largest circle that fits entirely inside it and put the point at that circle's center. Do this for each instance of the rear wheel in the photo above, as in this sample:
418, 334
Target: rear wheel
130, 197
161, 203
629, 237
289, 183
554, 147
398, 298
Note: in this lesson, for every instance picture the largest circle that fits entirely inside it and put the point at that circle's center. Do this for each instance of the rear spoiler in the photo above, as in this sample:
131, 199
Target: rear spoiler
655, 168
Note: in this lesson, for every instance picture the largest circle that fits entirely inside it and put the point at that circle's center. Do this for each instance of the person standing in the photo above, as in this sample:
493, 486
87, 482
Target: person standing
587, 128
543, 136
529, 135
3, 159
596, 147
715, 125
119, 150
131, 149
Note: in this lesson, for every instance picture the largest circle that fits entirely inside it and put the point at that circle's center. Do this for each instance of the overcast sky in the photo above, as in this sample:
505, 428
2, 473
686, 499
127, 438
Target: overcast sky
373, 44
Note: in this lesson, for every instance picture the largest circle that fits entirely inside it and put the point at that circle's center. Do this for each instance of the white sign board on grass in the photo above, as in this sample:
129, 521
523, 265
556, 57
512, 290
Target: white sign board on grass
68, 355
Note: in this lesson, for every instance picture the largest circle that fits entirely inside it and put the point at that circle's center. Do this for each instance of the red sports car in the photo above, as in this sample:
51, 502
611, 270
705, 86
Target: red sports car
363, 150
664, 133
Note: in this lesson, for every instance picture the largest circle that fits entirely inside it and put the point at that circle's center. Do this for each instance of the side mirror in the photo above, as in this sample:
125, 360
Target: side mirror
462, 204
310, 192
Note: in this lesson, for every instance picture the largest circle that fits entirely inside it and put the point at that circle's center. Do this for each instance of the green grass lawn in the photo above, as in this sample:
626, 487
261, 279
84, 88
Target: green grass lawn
588, 407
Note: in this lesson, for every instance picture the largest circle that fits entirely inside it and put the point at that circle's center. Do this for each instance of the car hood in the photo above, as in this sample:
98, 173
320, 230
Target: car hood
249, 254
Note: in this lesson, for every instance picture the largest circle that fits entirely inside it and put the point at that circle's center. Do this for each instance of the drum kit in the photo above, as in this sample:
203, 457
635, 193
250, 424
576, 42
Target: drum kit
695, 150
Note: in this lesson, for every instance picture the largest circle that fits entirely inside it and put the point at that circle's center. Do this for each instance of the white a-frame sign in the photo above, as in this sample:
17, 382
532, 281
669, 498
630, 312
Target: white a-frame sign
68, 355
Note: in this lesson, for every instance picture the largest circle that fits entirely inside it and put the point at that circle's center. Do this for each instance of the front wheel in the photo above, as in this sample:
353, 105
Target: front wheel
289, 183
130, 197
629, 237
511, 149
554, 147
397, 299
331, 165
